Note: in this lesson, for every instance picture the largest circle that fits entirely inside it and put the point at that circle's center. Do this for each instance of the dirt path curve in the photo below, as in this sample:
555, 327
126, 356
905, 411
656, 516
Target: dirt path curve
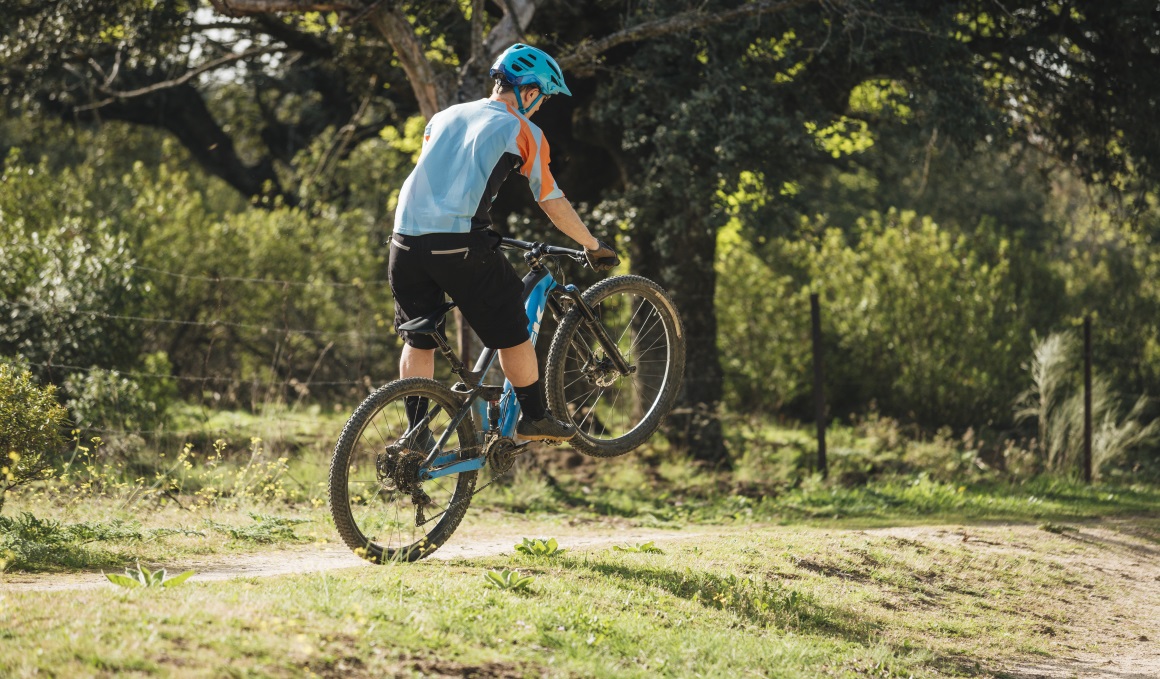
1127, 642
330, 557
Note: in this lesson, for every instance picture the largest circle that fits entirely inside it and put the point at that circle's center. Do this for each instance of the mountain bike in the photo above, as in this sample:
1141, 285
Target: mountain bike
614, 365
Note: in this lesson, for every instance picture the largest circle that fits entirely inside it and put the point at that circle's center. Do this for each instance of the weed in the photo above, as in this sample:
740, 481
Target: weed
539, 547
143, 577
507, 580
267, 529
29, 543
1055, 528
642, 548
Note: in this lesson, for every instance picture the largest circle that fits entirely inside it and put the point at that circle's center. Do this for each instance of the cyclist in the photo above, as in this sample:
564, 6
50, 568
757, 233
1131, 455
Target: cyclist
442, 242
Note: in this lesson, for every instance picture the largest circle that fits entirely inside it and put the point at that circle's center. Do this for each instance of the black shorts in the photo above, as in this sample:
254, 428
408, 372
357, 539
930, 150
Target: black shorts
468, 268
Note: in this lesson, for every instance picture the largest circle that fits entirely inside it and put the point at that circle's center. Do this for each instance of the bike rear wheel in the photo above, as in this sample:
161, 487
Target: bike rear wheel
615, 413
375, 492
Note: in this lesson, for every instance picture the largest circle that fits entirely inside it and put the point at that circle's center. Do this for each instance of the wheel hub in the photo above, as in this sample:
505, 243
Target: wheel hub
603, 374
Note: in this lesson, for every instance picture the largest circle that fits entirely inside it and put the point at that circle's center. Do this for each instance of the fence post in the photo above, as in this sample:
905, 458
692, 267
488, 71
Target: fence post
819, 394
1087, 398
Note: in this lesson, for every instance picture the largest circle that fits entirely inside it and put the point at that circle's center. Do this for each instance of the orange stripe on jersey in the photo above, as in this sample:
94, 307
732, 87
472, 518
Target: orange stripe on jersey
526, 142
547, 181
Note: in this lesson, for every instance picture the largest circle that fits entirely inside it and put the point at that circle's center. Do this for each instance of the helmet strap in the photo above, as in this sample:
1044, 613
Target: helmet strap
520, 101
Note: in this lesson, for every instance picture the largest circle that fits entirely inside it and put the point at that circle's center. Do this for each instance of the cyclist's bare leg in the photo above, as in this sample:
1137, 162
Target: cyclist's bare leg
416, 362
519, 364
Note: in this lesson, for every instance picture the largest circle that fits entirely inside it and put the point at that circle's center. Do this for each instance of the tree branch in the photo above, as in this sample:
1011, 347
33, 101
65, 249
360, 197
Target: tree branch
517, 14
238, 8
581, 61
114, 95
393, 24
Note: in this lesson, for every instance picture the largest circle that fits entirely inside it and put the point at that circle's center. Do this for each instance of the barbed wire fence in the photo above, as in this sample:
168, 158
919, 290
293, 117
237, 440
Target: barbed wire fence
280, 397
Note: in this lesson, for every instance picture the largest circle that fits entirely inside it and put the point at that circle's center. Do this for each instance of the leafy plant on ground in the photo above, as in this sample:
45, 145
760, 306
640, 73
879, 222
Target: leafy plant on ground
30, 425
507, 580
143, 577
642, 548
29, 543
267, 529
539, 547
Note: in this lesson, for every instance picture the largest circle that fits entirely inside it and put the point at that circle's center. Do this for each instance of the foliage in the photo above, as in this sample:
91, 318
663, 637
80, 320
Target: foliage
143, 577
507, 580
539, 547
104, 399
31, 543
649, 547
1055, 401
30, 428
917, 320
67, 284
266, 529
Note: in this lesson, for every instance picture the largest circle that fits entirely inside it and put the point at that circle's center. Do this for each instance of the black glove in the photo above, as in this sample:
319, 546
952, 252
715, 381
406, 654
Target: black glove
602, 258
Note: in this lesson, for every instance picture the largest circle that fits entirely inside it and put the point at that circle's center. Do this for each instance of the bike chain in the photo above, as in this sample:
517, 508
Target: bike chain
453, 505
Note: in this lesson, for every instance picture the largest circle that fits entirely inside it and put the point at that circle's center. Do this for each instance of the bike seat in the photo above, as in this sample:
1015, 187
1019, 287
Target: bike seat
429, 324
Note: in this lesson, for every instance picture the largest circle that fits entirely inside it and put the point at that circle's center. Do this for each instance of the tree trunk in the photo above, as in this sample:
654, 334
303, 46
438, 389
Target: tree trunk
680, 255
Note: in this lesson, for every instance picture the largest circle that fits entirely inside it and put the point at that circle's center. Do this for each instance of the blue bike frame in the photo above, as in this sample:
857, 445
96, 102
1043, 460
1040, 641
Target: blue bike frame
538, 285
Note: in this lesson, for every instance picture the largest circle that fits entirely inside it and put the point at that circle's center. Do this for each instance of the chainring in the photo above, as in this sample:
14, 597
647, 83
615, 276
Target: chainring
501, 454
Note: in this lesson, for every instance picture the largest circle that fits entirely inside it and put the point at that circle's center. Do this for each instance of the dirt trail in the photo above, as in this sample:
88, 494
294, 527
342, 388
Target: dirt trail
1126, 642
329, 557
1108, 637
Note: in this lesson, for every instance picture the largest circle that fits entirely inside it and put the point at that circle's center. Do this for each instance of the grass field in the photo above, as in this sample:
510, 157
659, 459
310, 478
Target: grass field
734, 601
759, 574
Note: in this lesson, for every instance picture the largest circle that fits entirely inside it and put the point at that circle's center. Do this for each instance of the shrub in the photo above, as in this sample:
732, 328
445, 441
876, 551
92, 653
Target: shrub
105, 399
1055, 402
30, 428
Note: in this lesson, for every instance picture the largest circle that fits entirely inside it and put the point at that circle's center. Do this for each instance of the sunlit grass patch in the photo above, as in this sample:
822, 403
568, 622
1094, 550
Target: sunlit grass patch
807, 601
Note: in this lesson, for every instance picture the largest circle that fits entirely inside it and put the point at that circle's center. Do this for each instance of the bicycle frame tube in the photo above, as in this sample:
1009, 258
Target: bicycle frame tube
538, 286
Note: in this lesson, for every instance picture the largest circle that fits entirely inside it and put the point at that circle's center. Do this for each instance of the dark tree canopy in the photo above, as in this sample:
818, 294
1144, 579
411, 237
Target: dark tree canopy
677, 103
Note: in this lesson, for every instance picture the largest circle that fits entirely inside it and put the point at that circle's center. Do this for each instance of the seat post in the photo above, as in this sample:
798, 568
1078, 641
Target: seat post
457, 366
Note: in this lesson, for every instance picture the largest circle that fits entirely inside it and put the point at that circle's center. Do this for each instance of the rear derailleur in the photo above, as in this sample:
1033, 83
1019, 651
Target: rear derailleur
397, 469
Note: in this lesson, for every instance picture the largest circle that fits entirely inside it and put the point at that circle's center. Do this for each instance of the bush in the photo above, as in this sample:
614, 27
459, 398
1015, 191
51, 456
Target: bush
105, 399
30, 428
921, 321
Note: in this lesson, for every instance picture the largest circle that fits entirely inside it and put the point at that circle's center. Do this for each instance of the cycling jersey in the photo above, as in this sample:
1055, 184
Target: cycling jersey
468, 152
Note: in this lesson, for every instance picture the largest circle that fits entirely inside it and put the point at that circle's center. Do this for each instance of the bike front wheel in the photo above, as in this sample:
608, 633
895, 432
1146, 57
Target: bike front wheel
382, 509
613, 412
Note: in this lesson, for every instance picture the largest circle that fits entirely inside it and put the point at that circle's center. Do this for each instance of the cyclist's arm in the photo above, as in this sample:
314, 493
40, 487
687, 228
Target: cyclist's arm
564, 216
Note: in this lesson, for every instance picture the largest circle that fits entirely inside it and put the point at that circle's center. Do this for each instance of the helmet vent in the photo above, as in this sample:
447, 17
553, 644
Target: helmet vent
527, 62
556, 70
517, 68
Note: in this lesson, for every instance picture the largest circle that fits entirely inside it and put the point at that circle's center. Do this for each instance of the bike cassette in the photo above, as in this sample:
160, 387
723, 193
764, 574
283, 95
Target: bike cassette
501, 453
398, 469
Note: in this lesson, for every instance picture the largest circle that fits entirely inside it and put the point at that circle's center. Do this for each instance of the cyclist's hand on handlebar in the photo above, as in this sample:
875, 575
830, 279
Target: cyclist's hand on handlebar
602, 258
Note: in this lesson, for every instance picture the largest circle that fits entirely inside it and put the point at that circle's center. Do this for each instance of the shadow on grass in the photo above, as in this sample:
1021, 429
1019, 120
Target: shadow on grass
771, 604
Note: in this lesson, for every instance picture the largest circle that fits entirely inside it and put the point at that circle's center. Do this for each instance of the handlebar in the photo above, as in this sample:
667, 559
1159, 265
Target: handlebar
538, 250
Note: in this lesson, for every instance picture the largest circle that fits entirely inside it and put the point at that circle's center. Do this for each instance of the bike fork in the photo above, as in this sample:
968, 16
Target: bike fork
597, 328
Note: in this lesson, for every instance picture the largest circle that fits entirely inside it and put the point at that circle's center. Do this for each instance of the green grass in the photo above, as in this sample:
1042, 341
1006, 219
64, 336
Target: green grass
804, 602
176, 498
784, 577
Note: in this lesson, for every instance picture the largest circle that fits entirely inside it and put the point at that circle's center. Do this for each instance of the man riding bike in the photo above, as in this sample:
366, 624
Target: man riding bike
442, 242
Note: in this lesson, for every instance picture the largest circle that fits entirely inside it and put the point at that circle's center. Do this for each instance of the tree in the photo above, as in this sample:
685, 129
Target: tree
679, 100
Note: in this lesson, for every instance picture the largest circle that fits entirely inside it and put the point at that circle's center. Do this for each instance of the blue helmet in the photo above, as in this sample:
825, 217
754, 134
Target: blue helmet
523, 64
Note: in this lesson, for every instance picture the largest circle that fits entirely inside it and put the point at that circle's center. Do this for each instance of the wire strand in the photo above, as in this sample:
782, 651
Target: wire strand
265, 281
208, 324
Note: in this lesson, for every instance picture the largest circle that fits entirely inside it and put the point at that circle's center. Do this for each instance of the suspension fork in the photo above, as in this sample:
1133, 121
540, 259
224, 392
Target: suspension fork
595, 327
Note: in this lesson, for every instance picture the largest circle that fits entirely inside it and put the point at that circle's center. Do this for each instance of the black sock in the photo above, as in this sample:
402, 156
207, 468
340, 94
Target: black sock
531, 400
416, 407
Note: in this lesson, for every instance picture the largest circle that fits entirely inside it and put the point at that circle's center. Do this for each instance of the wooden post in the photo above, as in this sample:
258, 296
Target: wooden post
819, 393
1087, 398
